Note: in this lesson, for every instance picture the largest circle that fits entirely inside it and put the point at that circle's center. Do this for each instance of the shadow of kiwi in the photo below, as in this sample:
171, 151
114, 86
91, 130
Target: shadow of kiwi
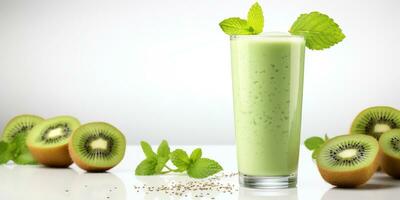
36, 182
375, 186
98, 186
369, 191
384, 177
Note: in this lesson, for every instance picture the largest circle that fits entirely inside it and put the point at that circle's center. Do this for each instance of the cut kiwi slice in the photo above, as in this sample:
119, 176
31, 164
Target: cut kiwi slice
374, 121
390, 145
97, 146
48, 141
349, 160
20, 124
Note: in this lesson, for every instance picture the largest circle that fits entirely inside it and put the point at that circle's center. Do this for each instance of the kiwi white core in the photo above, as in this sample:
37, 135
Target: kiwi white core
381, 128
55, 133
99, 143
348, 153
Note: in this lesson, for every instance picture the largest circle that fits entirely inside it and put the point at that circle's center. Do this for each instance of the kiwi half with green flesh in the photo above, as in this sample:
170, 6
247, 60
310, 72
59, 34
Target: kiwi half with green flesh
374, 121
349, 160
48, 141
97, 146
390, 145
20, 124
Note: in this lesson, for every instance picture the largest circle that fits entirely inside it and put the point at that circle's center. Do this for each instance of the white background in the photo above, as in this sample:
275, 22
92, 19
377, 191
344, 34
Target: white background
161, 69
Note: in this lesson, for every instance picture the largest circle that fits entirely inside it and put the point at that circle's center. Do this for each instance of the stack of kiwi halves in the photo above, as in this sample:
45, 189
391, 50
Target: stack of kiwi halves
60, 141
374, 140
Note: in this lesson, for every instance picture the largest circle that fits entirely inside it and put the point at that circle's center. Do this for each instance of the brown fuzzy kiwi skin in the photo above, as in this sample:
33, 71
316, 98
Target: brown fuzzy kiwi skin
77, 160
52, 157
351, 179
391, 166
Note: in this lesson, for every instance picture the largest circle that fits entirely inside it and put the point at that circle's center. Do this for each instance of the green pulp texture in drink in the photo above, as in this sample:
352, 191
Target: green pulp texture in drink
267, 74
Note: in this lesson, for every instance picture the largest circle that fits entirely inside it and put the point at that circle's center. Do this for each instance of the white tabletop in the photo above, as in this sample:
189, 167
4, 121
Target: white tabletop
40, 183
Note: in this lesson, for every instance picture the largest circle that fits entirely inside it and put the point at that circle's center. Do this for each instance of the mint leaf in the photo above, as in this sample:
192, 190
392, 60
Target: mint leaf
146, 167
255, 18
20, 152
22, 155
3, 146
180, 159
316, 152
163, 150
5, 154
25, 158
313, 142
161, 162
147, 150
236, 26
13, 149
203, 168
319, 30
196, 154
154, 164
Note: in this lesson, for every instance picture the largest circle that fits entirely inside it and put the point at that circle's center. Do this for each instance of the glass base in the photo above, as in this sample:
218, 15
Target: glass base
267, 182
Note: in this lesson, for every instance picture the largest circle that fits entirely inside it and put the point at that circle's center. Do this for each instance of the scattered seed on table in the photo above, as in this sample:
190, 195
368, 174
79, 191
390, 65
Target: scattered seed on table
200, 188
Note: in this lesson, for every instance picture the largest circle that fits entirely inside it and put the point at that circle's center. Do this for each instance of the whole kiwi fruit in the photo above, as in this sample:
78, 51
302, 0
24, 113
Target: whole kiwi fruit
349, 160
374, 121
48, 141
97, 146
390, 145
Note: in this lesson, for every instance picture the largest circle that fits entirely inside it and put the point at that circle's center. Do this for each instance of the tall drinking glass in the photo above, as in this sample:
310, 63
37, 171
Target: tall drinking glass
267, 73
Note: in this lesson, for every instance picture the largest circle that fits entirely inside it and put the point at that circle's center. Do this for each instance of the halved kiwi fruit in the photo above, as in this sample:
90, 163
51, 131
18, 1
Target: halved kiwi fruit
349, 160
97, 146
374, 121
20, 124
48, 141
390, 145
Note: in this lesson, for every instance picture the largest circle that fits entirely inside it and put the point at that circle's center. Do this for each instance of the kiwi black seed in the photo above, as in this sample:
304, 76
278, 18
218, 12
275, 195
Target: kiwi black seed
48, 141
390, 145
20, 124
97, 146
349, 160
374, 121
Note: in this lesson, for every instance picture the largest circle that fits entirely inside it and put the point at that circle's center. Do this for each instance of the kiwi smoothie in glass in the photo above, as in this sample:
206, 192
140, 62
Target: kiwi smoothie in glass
267, 73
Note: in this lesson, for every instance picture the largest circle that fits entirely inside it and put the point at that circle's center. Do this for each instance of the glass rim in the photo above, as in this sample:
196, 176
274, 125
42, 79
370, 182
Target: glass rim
267, 35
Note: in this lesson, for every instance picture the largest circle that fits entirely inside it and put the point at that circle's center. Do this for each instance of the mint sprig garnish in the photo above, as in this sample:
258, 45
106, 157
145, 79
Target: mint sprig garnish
156, 163
255, 18
315, 143
252, 26
16, 151
319, 30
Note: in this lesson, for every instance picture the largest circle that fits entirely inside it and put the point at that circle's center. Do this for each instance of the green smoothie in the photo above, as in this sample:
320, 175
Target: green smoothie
267, 73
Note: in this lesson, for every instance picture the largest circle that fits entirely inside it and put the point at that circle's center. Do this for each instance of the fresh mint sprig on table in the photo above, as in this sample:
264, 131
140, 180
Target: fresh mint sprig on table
315, 143
16, 151
156, 163
319, 30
